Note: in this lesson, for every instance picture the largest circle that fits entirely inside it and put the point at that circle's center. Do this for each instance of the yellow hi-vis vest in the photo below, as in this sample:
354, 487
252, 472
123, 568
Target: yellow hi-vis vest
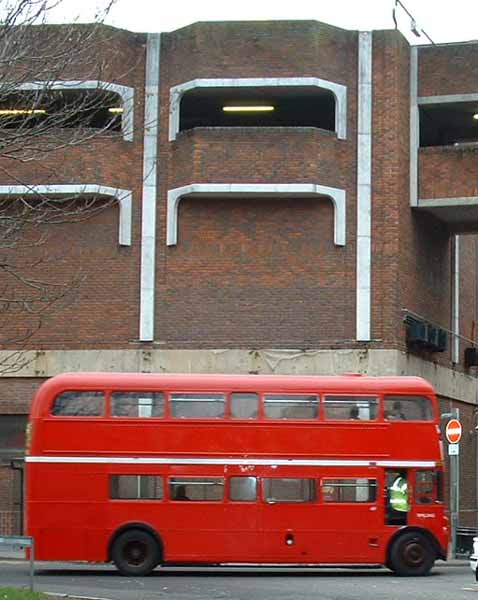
399, 495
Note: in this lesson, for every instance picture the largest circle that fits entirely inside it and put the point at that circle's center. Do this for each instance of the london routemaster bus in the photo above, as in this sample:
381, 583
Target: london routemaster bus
147, 470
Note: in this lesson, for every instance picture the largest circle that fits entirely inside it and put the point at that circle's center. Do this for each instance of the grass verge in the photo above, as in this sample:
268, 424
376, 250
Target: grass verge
7, 593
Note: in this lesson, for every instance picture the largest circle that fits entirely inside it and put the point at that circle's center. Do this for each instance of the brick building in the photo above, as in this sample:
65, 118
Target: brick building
325, 236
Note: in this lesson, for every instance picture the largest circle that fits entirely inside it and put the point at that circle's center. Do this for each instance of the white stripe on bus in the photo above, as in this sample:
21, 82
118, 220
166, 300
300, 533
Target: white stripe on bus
293, 462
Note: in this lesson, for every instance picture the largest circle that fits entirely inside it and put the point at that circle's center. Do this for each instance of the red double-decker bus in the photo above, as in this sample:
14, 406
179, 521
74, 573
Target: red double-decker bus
146, 470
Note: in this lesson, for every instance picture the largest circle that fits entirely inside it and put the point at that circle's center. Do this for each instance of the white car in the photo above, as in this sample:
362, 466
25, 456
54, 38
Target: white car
474, 557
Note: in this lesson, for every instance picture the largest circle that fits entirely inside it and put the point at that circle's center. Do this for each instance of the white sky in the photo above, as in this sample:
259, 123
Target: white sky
443, 21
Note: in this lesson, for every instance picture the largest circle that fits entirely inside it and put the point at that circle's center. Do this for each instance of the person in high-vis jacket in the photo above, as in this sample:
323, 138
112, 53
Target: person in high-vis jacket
399, 494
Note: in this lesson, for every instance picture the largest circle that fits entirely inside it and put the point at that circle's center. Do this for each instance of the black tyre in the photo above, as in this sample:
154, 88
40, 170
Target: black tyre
411, 554
135, 553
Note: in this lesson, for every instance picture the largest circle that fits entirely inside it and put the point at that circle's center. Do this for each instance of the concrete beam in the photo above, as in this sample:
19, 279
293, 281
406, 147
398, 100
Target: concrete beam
124, 198
253, 190
126, 94
338, 90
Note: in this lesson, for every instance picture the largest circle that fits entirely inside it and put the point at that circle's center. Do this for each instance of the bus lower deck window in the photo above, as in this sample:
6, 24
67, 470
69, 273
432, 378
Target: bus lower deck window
289, 490
136, 487
349, 490
196, 489
243, 489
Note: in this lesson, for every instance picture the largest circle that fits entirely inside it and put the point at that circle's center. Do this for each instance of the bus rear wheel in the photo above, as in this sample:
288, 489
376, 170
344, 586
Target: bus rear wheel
135, 553
411, 554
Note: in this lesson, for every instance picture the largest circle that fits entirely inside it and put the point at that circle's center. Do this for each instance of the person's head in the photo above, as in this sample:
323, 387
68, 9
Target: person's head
354, 412
397, 407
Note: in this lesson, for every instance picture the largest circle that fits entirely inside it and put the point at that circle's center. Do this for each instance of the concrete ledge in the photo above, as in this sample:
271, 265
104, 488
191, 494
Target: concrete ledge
447, 382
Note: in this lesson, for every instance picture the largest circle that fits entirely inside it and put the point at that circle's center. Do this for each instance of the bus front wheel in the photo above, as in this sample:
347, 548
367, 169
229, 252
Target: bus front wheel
135, 552
411, 554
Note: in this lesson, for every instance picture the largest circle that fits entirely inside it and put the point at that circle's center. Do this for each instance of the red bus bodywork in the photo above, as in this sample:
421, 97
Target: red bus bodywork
71, 459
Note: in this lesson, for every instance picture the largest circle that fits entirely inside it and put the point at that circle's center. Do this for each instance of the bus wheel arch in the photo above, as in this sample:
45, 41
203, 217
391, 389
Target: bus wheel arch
412, 552
136, 549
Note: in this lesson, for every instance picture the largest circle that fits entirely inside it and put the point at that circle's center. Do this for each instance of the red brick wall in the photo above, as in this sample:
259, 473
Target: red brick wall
448, 172
448, 69
257, 272
107, 301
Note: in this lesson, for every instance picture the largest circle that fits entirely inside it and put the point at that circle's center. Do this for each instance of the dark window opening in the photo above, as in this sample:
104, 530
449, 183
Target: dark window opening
12, 435
448, 124
291, 107
53, 109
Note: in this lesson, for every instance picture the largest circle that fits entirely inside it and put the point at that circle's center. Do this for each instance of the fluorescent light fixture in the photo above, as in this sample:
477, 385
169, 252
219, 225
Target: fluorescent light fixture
263, 108
22, 111
475, 116
115, 110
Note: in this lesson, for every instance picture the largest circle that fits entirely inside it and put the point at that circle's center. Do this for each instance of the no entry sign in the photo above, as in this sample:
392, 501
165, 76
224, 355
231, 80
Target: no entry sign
453, 431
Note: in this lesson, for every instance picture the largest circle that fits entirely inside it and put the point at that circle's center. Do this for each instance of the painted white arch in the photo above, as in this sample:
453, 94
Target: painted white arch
337, 196
124, 198
338, 90
126, 94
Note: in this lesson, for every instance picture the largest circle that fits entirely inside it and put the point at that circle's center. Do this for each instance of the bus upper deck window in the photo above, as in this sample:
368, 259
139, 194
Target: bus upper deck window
408, 408
351, 408
197, 405
291, 406
244, 405
137, 404
79, 404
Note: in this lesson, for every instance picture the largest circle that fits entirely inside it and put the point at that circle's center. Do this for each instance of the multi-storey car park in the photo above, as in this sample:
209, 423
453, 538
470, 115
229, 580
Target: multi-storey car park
331, 231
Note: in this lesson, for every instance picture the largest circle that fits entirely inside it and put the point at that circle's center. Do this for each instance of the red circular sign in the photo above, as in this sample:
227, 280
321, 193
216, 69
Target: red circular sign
453, 431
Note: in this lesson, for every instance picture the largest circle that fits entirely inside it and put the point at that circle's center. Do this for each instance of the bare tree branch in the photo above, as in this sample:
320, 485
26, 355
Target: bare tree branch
40, 115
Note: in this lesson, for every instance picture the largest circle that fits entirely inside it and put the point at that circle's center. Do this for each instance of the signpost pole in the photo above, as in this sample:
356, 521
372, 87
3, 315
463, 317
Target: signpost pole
454, 486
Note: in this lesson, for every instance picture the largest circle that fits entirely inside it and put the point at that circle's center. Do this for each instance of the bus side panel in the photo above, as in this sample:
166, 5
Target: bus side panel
66, 511
97, 437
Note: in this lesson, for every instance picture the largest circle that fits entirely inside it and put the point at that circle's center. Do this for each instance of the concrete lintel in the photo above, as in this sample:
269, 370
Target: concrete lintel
339, 91
459, 214
337, 196
124, 198
448, 383
126, 94
445, 202
448, 98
